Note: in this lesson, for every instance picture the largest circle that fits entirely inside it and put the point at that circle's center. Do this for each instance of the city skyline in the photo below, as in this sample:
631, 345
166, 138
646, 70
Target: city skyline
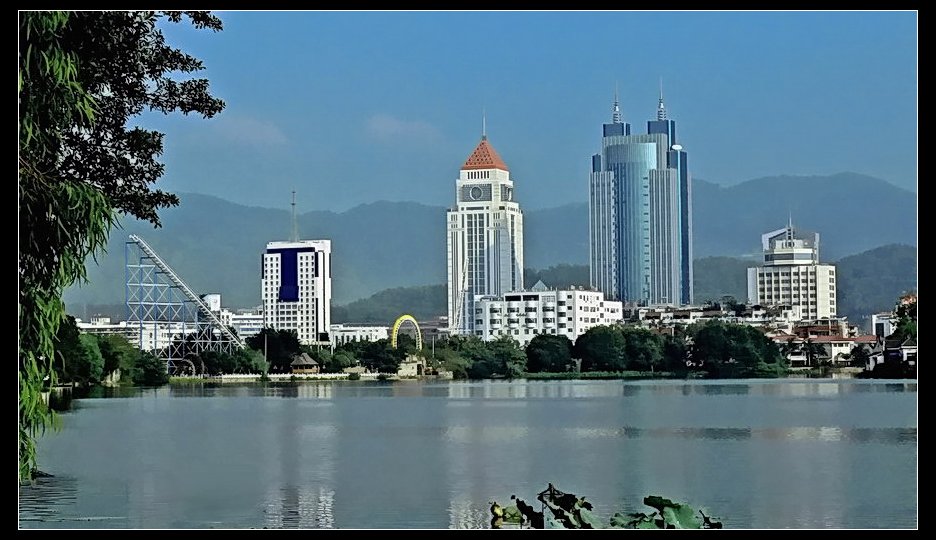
335, 97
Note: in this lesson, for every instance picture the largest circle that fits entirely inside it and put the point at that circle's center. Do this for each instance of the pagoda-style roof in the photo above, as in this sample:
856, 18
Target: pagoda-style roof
484, 157
303, 360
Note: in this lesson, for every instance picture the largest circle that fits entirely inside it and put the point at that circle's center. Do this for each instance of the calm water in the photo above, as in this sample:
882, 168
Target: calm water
757, 454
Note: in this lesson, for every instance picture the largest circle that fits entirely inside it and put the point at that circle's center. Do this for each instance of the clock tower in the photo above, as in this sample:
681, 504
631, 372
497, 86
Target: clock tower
485, 236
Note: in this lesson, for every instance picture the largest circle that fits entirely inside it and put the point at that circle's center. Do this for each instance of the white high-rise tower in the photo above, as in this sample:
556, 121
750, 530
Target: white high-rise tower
485, 236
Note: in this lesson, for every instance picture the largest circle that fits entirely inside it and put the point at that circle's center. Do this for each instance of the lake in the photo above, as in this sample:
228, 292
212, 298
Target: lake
787, 453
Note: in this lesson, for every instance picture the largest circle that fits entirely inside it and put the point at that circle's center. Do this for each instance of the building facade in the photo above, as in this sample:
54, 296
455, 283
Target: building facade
640, 213
295, 287
792, 276
525, 314
484, 236
346, 333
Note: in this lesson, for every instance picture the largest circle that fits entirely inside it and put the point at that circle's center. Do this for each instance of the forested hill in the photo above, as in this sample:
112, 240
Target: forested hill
215, 245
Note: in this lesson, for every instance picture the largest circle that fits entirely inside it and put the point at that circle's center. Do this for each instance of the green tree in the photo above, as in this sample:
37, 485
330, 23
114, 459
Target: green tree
116, 350
675, 354
338, 362
381, 357
813, 352
82, 76
248, 360
508, 358
643, 349
906, 327
67, 342
601, 348
859, 355
549, 353
479, 360
89, 364
734, 350
150, 370
280, 345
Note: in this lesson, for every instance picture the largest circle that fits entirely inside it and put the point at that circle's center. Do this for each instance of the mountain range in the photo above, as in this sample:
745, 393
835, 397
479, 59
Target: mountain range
215, 245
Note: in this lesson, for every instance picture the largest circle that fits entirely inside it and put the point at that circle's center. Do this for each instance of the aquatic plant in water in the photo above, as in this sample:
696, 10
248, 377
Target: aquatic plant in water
567, 511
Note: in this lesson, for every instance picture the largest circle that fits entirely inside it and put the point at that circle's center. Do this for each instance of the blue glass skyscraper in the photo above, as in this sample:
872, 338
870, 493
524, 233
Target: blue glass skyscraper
640, 213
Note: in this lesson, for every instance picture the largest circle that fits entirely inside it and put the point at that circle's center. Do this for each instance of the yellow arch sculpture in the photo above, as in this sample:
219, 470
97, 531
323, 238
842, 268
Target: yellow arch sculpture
396, 329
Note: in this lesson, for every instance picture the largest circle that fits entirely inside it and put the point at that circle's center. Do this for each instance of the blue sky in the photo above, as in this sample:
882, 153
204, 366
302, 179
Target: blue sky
351, 107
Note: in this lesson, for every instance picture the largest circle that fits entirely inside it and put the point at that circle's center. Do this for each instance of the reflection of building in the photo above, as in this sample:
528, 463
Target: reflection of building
791, 274
522, 315
485, 236
640, 214
296, 288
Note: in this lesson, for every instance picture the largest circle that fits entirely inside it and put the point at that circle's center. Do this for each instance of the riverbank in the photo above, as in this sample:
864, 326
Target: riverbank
810, 373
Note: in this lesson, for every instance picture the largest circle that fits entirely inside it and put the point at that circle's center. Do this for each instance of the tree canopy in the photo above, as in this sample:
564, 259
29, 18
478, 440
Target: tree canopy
82, 76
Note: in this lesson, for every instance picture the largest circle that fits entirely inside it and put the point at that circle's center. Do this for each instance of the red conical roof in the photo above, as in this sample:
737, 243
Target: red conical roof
484, 157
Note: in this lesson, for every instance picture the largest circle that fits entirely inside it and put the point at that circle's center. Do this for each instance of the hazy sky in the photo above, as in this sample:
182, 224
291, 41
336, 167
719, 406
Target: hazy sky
351, 108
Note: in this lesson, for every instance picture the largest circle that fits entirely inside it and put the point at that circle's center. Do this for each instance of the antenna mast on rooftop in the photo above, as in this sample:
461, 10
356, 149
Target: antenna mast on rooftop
295, 225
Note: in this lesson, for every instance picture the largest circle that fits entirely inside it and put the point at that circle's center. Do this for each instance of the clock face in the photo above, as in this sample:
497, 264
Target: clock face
475, 193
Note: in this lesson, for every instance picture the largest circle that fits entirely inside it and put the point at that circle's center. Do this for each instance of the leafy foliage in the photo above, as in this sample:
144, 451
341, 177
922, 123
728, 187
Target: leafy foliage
549, 353
280, 346
567, 511
150, 370
601, 348
906, 327
82, 76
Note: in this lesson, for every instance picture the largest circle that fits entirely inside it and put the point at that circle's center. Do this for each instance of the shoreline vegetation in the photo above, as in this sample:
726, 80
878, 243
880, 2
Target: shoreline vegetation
809, 373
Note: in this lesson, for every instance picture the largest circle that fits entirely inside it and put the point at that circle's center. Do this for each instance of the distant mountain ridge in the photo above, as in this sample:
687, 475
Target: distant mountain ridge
215, 245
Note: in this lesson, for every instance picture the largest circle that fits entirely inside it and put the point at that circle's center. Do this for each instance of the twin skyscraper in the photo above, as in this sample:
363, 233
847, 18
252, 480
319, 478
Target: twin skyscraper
640, 222
640, 213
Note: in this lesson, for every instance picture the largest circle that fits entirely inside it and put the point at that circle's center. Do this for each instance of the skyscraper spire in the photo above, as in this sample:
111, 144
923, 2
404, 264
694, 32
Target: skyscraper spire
483, 125
790, 227
661, 109
616, 108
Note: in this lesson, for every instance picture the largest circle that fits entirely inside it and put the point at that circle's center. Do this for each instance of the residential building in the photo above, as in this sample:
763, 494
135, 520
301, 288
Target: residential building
791, 274
640, 213
883, 324
295, 287
484, 236
246, 324
346, 333
525, 314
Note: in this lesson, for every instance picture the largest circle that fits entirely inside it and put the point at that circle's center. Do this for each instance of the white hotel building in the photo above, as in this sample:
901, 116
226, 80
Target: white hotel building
296, 288
792, 276
523, 315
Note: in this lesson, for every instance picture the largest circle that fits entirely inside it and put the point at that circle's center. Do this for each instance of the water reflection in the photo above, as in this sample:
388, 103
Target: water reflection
294, 507
761, 454
822, 433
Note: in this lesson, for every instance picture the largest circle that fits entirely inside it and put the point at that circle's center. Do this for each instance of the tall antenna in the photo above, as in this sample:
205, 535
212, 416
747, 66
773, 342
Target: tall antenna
295, 226
483, 124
